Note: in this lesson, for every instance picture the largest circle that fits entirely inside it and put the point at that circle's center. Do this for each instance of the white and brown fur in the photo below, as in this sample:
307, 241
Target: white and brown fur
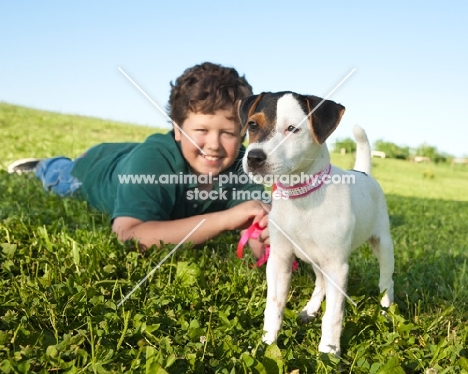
327, 224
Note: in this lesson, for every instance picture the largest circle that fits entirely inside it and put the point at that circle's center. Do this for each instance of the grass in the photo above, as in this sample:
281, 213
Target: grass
63, 273
35, 133
403, 178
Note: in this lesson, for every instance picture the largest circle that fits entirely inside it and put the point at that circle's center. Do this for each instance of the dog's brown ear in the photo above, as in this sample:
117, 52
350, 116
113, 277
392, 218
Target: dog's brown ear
325, 117
245, 108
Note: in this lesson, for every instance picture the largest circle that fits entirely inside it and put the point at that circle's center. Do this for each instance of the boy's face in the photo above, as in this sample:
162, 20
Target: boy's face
217, 134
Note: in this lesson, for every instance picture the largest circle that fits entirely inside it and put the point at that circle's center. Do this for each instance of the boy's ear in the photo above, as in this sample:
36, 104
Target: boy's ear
325, 118
245, 108
177, 133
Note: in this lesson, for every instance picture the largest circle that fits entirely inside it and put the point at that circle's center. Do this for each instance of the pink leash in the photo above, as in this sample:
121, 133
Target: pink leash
253, 232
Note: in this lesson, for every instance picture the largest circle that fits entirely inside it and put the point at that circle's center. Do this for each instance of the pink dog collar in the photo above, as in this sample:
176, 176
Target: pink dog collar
313, 183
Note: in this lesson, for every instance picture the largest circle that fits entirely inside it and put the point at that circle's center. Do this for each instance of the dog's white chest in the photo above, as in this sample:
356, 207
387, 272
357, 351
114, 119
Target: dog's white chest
303, 227
295, 228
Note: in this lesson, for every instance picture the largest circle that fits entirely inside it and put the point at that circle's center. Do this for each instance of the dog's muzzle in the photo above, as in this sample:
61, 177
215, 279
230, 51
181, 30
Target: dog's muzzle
256, 158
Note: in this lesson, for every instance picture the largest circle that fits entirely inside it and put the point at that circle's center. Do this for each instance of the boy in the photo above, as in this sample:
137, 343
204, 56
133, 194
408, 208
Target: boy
203, 150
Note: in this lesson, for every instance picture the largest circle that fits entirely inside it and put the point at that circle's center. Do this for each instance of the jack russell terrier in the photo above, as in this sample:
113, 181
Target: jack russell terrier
317, 221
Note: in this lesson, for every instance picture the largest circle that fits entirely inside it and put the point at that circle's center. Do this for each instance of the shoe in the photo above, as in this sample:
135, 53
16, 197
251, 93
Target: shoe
25, 165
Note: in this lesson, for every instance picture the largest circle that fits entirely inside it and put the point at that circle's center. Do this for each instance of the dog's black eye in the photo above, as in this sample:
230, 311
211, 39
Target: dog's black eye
293, 129
253, 126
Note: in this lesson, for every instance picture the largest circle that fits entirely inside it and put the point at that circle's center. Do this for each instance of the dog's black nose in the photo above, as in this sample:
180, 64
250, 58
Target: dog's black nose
256, 158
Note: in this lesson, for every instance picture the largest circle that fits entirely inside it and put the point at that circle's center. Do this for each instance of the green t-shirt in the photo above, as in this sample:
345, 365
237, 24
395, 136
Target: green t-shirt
151, 181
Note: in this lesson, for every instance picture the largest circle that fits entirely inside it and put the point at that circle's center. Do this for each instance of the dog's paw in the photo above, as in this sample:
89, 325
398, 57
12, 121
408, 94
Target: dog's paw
304, 317
330, 349
386, 300
384, 313
268, 338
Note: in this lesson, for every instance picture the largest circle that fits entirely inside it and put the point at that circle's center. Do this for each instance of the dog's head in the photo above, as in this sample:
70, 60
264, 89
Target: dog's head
286, 130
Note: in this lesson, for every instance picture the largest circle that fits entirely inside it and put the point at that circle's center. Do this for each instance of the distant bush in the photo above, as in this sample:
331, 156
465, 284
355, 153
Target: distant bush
348, 144
392, 150
426, 150
395, 151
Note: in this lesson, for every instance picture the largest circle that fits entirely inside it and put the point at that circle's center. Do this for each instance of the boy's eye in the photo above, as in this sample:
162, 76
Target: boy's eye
293, 129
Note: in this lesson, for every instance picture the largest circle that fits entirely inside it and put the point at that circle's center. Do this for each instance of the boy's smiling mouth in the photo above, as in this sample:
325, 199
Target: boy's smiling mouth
212, 158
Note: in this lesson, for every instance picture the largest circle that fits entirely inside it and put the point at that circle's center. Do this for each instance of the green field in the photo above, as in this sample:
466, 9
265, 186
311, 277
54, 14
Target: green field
63, 273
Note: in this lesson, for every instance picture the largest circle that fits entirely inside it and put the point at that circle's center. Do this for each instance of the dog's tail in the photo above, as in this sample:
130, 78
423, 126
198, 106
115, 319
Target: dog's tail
363, 151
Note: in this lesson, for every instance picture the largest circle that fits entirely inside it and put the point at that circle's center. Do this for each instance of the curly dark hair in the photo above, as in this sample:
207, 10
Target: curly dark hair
206, 88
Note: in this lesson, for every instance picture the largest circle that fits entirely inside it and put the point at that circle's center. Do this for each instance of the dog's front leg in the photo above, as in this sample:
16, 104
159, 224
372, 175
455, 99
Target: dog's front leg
332, 322
312, 308
278, 274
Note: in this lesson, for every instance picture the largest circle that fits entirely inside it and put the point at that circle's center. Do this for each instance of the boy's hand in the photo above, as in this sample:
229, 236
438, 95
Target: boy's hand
262, 220
242, 216
258, 245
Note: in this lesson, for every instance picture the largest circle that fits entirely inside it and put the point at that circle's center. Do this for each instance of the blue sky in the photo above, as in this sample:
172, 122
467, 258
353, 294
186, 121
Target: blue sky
411, 58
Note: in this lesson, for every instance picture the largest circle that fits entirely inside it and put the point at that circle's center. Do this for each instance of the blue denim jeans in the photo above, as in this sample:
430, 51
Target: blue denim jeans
55, 175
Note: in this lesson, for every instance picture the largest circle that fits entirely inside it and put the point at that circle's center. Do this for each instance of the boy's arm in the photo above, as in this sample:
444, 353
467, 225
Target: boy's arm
153, 232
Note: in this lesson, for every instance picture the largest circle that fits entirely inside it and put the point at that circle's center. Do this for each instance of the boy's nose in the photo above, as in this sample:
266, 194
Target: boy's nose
212, 142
